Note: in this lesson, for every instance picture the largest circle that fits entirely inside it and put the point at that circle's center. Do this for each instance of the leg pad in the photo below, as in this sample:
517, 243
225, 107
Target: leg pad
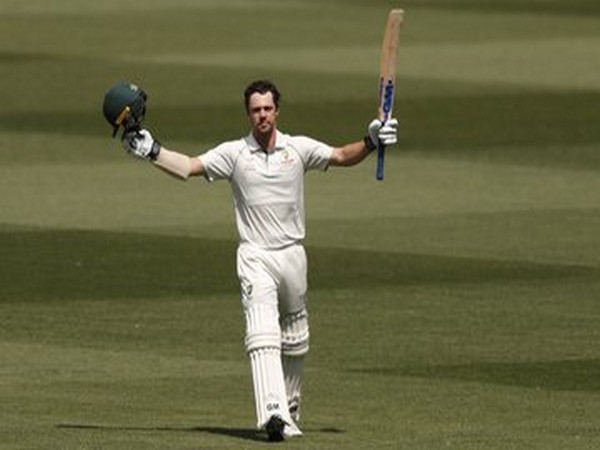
262, 327
294, 333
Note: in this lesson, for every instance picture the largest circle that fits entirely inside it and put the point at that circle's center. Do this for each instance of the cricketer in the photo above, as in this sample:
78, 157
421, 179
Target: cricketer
266, 171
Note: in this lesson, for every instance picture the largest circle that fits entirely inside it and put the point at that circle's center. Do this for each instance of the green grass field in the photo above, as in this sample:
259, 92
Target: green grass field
454, 305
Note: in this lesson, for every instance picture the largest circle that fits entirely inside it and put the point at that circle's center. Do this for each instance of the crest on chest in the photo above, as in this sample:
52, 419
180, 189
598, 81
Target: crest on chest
279, 163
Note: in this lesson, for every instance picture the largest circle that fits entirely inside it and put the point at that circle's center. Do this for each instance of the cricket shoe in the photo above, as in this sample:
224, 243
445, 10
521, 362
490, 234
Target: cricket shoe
291, 430
274, 429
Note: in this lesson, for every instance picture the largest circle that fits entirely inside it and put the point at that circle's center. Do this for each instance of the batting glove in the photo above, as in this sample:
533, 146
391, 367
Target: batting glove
382, 133
141, 144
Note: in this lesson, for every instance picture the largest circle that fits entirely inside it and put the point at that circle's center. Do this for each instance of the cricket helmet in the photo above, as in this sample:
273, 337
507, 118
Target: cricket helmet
124, 105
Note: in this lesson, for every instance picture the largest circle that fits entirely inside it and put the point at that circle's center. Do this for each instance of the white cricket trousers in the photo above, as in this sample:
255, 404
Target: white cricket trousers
273, 285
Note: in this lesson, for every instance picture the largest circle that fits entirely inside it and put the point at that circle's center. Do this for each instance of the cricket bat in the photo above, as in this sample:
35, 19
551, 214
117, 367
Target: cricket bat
387, 75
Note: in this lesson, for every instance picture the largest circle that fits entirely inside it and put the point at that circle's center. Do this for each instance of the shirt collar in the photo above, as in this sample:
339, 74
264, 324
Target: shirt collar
254, 146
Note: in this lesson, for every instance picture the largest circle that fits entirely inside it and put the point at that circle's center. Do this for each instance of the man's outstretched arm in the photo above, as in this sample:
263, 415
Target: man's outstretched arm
142, 145
354, 153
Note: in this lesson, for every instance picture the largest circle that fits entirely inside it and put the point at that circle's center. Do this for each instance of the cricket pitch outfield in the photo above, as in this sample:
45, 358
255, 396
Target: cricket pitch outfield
453, 305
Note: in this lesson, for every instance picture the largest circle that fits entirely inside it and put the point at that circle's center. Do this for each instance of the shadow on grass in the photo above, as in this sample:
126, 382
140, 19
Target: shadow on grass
248, 434
75, 264
581, 375
473, 125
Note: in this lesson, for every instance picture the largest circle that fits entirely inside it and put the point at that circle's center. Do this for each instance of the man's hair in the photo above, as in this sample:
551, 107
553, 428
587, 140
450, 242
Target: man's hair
262, 87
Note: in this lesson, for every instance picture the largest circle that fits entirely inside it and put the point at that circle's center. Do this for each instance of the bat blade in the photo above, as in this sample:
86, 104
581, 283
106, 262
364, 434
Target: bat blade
387, 75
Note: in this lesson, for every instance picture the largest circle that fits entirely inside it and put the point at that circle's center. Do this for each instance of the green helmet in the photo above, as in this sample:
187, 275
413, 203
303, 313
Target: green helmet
124, 105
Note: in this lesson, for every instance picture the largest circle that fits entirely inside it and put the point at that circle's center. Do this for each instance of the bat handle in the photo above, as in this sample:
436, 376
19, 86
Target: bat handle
380, 161
383, 116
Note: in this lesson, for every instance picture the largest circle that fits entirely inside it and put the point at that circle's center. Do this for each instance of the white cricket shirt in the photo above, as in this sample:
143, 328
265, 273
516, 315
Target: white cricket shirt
268, 188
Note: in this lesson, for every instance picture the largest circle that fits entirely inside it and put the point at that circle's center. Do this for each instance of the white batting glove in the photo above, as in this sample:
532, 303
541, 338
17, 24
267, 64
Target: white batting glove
384, 133
141, 144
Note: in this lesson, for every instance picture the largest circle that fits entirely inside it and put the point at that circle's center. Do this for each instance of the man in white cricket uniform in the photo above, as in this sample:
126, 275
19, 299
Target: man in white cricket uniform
266, 172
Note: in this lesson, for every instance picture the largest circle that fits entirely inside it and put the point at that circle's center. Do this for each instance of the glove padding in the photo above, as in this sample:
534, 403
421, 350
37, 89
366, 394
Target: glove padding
141, 144
383, 133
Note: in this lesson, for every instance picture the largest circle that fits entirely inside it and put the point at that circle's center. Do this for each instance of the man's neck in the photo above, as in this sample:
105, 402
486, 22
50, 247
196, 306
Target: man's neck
266, 141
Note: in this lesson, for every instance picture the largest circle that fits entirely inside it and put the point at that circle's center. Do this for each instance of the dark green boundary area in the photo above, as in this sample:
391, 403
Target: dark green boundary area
72, 264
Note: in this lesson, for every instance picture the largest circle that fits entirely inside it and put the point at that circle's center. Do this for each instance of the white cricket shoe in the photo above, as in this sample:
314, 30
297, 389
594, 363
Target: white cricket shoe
291, 430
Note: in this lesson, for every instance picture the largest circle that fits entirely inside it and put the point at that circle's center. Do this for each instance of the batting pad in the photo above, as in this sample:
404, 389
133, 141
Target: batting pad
294, 333
293, 369
269, 388
262, 327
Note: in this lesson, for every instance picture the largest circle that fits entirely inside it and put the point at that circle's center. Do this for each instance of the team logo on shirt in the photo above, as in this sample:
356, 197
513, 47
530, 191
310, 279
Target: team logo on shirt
286, 157
246, 289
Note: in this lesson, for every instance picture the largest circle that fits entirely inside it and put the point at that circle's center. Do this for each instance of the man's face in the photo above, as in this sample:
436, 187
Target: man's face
262, 113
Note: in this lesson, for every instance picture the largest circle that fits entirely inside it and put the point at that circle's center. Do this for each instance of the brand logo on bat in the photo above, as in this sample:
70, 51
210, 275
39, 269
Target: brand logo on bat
388, 97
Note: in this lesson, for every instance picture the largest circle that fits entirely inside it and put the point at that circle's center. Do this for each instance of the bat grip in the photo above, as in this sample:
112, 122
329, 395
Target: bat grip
380, 160
381, 152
